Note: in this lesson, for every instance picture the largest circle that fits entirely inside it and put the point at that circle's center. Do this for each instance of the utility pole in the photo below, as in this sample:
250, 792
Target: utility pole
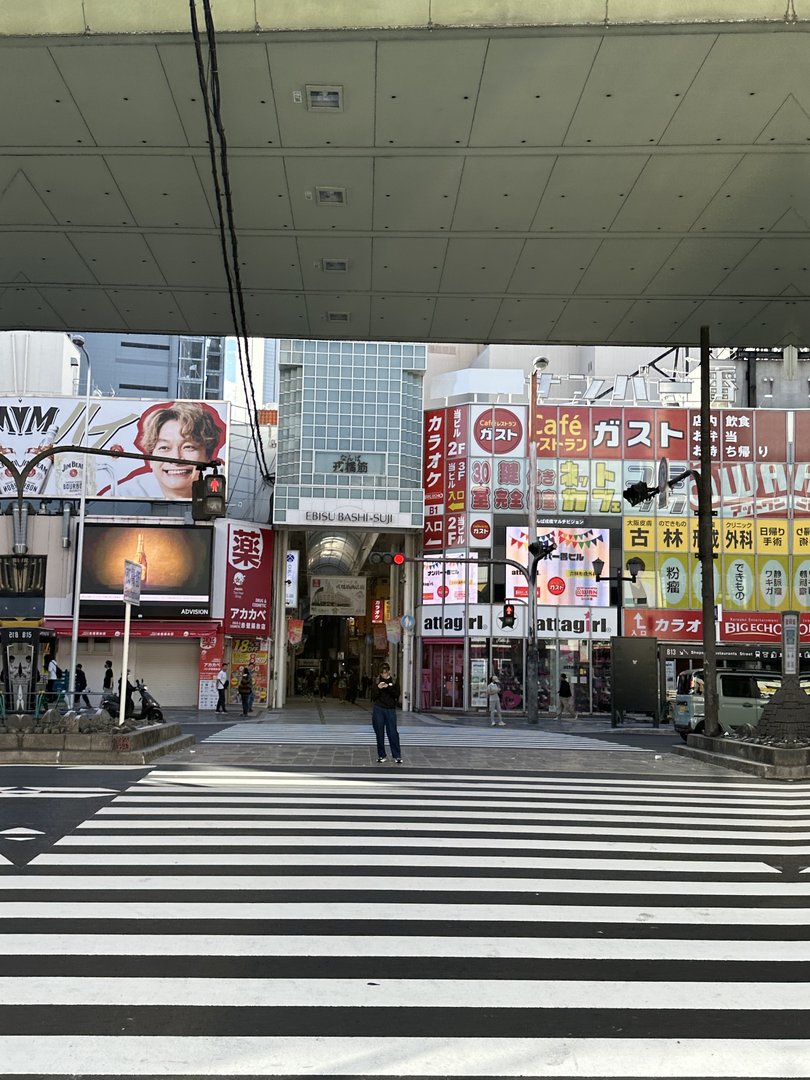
705, 546
532, 675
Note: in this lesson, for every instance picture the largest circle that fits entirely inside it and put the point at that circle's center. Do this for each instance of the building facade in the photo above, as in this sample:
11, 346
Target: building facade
207, 589
348, 489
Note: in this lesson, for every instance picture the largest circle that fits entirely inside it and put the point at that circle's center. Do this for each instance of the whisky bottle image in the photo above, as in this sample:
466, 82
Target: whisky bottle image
140, 559
36, 480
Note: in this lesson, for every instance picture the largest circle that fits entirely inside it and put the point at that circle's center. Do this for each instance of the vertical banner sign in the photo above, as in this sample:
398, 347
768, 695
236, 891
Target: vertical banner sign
295, 631
790, 643
433, 478
248, 575
132, 583
291, 580
211, 652
456, 450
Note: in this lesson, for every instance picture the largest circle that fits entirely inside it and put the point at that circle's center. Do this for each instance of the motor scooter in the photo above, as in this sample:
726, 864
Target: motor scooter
149, 710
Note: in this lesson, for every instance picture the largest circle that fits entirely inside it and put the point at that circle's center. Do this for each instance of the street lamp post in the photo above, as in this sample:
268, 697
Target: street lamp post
640, 492
532, 674
77, 577
634, 568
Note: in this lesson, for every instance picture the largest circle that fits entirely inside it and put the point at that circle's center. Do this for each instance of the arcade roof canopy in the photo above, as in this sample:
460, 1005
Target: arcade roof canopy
447, 181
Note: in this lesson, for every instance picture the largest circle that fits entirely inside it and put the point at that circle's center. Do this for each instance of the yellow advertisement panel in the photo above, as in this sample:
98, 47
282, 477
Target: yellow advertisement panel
801, 537
673, 534
738, 590
643, 592
801, 581
772, 536
696, 580
673, 581
773, 584
737, 536
639, 535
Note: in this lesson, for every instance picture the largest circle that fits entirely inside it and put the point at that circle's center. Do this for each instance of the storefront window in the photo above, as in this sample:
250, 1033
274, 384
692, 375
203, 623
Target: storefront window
442, 675
507, 664
479, 672
600, 675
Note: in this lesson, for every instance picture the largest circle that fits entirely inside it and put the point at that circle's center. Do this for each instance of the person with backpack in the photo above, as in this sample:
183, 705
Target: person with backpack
245, 690
222, 685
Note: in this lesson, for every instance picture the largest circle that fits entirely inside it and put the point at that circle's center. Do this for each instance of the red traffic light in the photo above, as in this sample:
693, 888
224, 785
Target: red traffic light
213, 485
387, 557
507, 618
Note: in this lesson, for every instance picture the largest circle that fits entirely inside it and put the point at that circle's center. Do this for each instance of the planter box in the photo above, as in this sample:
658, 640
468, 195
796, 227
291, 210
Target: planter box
772, 762
99, 748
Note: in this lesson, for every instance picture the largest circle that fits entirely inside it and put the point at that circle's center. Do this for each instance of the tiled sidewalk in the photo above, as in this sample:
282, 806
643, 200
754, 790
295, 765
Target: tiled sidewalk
298, 711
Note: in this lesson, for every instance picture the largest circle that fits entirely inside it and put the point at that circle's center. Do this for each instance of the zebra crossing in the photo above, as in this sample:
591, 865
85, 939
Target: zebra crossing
277, 923
444, 736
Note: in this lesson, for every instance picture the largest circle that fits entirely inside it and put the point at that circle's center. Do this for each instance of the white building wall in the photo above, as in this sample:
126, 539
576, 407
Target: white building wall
33, 362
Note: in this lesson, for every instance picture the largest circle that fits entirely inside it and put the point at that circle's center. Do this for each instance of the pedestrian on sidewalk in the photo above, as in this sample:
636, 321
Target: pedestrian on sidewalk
384, 714
107, 685
494, 702
245, 689
80, 688
222, 686
323, 685
566, 699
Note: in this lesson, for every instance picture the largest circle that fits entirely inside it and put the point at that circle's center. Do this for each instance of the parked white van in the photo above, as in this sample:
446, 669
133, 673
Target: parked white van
742, 695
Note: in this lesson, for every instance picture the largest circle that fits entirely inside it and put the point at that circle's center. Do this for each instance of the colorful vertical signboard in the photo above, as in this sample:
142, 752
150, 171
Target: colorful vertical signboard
211, 653
433, 480
249, 572
456, 462
566, 578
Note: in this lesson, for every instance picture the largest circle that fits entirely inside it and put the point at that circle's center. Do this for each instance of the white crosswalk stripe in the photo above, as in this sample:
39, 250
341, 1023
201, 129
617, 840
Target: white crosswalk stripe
270, 923
439, 736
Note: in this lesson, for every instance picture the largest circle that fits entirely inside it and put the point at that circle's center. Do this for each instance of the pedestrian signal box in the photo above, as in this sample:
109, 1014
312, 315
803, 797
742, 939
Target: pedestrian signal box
208, 497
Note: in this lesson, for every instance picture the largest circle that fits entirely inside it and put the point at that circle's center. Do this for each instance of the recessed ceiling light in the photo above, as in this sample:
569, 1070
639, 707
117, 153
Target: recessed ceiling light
334, 266
325, 98
330, 196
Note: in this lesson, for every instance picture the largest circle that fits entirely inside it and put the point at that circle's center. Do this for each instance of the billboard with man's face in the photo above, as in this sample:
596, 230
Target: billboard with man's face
191, 430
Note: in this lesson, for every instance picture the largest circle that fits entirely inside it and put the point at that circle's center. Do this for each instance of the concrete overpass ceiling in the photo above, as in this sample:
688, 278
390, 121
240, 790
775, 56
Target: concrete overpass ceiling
558, 183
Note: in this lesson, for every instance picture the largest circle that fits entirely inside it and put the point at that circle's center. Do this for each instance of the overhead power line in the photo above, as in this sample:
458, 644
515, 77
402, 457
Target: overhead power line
211, 94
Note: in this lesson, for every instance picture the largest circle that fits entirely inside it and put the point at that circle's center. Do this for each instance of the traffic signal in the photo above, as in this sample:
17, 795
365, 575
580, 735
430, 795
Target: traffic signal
208, 497
539, 549
390, 558
507, 619
638, 493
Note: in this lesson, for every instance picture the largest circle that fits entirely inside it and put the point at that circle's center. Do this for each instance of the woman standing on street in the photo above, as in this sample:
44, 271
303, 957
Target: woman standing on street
245, 689
384, 715
494, 702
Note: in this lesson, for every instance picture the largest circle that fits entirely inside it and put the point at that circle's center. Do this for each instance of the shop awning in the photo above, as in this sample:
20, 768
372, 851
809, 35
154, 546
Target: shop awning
154, 628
